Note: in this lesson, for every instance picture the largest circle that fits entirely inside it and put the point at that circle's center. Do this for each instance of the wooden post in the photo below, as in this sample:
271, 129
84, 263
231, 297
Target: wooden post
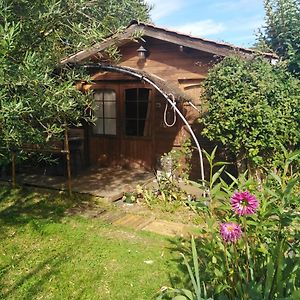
67, 149
13, 169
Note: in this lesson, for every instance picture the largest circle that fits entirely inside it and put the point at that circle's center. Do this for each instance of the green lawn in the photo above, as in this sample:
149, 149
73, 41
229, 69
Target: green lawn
47, 255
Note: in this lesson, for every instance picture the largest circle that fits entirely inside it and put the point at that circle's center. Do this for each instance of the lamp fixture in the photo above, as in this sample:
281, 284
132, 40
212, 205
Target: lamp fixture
142, 52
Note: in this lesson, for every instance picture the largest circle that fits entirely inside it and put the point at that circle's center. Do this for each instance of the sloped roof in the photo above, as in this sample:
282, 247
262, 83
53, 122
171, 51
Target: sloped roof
185, 40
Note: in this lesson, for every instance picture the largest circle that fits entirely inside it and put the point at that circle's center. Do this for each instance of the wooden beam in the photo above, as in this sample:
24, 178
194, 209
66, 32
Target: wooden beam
117, 39
67, 149
194, 43
41, 150
13, 169
191, 80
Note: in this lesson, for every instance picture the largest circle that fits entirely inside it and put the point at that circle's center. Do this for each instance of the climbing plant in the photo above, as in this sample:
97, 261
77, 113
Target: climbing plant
253, 109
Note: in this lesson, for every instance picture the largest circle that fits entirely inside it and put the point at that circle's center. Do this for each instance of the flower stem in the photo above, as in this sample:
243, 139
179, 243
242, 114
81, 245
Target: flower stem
247, 250
227, 265
239, 279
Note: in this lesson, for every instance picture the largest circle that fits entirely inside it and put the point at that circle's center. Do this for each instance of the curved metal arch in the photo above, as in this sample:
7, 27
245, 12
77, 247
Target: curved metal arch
169, 97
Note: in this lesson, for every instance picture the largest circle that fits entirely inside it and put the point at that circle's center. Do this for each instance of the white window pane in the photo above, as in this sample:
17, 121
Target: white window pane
109, 95
98, 95
98, 127
109, 109
98, 109
110, 126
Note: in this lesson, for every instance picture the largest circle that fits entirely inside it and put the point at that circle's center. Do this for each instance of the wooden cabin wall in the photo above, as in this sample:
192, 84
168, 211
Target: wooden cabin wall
119, 149
185, 68
166, 138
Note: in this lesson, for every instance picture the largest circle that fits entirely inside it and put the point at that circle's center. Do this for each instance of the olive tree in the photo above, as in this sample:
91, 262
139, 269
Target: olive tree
36, 101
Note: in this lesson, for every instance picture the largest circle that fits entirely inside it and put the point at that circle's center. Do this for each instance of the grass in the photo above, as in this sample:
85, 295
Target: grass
45, 254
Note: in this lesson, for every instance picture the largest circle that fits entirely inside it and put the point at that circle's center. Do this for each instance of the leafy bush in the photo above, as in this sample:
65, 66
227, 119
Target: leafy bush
253, 108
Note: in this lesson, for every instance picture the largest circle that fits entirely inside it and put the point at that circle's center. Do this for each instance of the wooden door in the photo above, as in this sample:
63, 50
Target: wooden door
123, 132
137, 126
104, 137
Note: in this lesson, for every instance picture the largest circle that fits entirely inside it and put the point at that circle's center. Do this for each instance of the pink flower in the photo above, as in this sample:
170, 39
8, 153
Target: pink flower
244, 203
230, 232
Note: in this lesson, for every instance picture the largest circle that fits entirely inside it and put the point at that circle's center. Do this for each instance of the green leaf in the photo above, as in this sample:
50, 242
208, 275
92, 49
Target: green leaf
213, 154
188, 294
279, 271
221, 163
269, 279
290, 186
216, 176
276, 177
295, 295
232, 177
196, 269
208, 157
180, 297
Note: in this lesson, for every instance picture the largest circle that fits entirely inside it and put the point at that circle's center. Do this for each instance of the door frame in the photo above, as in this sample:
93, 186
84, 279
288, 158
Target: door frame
120, 142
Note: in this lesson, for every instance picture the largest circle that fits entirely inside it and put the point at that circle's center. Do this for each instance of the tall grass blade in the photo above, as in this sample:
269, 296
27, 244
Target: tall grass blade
196, 268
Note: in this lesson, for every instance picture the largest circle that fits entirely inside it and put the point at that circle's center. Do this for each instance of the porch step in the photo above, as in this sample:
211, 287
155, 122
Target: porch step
169, 228
112, 216
162, 227
134, 221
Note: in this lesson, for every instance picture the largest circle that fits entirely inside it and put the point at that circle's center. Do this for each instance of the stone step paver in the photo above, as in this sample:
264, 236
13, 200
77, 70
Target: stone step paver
112, 216
151, 224
169, 228
135, 221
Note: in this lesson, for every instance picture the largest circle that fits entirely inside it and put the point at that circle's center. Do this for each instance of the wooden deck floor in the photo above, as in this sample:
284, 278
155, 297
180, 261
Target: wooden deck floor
110, 183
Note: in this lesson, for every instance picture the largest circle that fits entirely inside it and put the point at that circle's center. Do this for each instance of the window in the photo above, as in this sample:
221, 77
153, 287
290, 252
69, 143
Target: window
137, 112
105, 111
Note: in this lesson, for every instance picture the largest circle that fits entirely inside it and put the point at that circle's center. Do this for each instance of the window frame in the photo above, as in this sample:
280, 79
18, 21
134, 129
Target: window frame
147, 118
103, 117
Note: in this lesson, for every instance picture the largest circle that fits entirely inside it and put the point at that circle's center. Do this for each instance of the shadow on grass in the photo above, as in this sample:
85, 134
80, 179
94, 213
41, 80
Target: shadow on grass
183, 246
21, 206
5, 268
26, 218
33, 281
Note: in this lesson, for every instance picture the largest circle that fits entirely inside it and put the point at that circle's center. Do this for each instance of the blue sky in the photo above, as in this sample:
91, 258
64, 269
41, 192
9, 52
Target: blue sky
232, 21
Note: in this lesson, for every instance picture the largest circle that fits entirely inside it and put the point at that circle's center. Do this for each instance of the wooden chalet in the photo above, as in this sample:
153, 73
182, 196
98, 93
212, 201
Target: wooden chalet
134, 98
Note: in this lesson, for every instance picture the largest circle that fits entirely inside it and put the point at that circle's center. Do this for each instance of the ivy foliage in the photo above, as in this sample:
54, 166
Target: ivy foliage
253, 109
35, 101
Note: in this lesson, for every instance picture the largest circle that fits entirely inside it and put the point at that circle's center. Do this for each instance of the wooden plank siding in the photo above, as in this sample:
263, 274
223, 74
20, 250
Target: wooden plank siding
168, 62
185, 68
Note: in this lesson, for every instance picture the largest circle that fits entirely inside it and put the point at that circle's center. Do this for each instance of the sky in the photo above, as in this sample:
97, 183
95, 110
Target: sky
232, 21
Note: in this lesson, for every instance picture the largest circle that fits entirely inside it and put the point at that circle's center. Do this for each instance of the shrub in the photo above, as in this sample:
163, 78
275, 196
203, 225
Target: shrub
253, 108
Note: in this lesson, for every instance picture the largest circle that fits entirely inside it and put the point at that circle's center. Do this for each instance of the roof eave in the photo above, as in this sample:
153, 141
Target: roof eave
119, 39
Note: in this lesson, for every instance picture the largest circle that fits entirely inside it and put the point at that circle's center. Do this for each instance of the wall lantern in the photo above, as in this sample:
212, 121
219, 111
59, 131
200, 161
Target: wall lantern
142, 53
